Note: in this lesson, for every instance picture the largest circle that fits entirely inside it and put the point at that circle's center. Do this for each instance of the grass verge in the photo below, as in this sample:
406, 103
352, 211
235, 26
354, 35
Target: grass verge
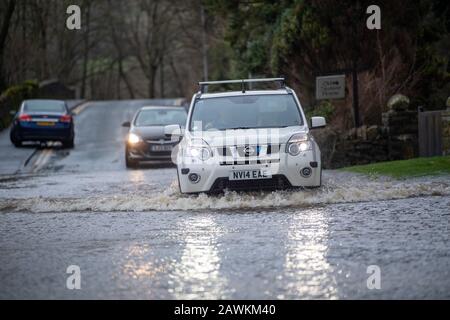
401, 169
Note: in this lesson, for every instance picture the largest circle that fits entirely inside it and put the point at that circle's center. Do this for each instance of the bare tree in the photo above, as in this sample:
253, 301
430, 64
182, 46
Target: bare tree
141, 48
6, 21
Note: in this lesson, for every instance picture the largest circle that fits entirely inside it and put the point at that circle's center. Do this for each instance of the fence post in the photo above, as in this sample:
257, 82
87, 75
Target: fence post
430, 133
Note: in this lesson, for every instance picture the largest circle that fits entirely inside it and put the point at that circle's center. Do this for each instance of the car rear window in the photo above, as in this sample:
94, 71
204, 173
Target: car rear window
45, 106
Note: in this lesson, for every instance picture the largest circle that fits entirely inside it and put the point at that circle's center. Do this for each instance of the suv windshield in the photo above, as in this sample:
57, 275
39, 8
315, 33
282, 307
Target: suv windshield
160, 117
44, 106
245, 112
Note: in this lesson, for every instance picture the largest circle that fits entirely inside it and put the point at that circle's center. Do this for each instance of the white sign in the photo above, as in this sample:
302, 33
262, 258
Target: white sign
330, 87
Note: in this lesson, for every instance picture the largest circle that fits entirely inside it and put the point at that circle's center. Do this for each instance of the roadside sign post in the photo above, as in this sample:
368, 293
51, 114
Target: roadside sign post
333, 87
330, 87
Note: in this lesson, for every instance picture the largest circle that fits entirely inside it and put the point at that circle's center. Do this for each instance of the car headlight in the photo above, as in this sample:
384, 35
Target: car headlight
299, 142
134, 138
199, 149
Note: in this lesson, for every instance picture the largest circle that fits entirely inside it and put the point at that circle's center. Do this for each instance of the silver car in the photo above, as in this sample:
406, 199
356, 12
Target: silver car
146, 141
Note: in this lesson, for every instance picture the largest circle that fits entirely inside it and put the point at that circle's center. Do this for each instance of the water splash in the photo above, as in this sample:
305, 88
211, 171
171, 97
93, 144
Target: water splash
334, 191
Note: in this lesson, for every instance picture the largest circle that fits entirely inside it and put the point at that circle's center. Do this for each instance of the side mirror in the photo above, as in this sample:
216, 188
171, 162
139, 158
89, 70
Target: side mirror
126, 124
12, 112
173, 130
318, 122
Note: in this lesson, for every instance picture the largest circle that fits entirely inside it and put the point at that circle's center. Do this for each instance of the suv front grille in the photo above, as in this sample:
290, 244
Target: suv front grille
248, 161
276, 182
249, 154
249, 150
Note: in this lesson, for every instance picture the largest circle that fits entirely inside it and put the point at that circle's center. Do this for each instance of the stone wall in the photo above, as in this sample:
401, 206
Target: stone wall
400, 128
395, 139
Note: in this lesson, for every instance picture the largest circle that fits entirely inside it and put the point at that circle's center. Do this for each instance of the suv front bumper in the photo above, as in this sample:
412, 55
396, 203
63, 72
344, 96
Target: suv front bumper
287, 173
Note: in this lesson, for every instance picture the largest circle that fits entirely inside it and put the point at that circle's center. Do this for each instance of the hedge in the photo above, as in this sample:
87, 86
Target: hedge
11, 99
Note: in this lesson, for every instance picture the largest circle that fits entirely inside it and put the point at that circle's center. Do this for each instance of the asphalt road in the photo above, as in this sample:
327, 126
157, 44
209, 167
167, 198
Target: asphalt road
134, 236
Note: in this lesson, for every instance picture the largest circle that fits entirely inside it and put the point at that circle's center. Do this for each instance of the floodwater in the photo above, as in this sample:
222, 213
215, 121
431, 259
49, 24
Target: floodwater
133, 235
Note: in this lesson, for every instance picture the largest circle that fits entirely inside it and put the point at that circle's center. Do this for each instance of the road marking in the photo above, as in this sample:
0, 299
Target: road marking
48, 154
42, 160
42, 157
78, 109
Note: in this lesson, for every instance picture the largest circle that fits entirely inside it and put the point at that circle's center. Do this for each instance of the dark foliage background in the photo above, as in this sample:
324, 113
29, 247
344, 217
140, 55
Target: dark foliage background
161, 48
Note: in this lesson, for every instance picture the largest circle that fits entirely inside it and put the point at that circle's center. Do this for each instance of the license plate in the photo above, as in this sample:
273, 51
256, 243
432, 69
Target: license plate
161, 148
250, 175
46, 124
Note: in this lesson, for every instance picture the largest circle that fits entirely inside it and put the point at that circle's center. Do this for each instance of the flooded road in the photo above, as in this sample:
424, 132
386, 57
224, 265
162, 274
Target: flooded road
134, 236
309, 253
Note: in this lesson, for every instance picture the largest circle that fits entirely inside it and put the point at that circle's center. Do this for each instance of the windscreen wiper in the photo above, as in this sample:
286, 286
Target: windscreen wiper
246, 128
242, 128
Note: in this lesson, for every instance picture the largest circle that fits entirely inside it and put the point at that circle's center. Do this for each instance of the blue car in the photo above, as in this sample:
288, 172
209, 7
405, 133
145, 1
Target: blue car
43, 121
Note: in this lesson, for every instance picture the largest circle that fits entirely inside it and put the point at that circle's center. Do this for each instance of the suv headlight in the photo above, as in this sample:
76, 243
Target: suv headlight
134, 138
299, 142
198, 148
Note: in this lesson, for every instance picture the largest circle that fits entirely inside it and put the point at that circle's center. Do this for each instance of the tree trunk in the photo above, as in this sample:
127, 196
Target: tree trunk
3, 35
177, 79
41, 12
161, 77
123, 76
86, 49
151, 84
204, 43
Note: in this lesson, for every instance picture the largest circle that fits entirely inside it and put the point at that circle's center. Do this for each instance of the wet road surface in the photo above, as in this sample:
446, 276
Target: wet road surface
134, 236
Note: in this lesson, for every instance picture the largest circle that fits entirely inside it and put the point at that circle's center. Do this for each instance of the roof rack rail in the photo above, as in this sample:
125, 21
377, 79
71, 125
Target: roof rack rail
204, 85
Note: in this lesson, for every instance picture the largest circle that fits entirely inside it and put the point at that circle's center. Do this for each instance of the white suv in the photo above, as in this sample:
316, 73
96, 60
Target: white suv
248, 139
